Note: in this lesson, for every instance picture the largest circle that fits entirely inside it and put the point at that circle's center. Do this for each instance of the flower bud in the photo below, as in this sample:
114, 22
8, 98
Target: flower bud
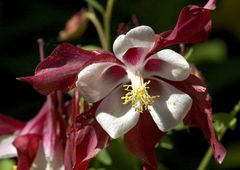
75, 26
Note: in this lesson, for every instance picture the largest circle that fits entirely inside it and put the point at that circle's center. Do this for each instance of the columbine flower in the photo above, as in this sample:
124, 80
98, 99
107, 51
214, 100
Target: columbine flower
37, 145
142, 86
138, 84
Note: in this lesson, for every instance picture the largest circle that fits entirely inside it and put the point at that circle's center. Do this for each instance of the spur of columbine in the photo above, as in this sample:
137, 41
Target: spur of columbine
136, 84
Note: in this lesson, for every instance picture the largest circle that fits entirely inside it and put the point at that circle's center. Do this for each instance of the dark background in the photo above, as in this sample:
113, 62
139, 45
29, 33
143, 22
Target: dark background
23, 22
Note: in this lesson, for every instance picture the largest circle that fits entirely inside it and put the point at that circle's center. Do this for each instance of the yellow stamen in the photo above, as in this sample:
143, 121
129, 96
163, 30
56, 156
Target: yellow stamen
138, 97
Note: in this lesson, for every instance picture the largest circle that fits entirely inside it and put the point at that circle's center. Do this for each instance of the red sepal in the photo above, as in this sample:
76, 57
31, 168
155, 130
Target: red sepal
59, 70
141, 140
27, 148
9, 125
200, 115
85, 138
193, 26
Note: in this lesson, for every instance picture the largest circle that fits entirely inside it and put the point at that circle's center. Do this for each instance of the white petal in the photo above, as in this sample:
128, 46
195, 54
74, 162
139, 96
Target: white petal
168, 64
142, 36
97, 80
170, 107
114, 117
7, 150
41, 162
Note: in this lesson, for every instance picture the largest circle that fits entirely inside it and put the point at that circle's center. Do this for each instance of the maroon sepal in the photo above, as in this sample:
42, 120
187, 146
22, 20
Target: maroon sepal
193, 26
59, 70
9, 125
200, 115
85, 138
141, 140
27, 148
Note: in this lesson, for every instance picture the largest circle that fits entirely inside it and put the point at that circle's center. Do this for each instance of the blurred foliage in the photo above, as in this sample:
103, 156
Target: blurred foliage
224, 120
121, 158
214, 51
226, 17
218, 58
104, 157
7, 164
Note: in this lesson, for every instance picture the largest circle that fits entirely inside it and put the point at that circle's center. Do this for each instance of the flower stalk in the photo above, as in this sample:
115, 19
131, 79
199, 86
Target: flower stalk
107, 21
103, 30
92, 17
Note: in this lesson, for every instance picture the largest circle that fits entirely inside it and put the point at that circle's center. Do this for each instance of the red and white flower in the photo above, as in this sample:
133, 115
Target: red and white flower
39, 143
141, 89
123, 102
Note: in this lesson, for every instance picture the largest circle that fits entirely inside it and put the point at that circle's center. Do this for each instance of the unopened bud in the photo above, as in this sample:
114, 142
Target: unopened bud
75, 26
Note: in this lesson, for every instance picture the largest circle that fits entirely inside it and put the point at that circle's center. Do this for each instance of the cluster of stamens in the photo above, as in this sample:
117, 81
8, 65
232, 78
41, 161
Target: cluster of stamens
138, 97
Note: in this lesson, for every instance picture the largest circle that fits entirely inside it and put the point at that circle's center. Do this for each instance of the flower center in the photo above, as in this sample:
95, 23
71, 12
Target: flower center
137, 95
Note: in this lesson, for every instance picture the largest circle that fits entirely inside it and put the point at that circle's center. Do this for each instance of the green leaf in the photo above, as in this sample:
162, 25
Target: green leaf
180, 127
95, 4
166, 143
104, 157
233, 123
188, 53
213, 51
222, 120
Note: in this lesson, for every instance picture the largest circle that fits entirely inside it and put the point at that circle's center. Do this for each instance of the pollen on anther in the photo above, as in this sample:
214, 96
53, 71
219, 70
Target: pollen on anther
138, 97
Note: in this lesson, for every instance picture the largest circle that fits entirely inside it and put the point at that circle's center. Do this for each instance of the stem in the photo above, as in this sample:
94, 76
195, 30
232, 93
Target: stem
208, 155
205, 161
107, 19
92, 17
41, 48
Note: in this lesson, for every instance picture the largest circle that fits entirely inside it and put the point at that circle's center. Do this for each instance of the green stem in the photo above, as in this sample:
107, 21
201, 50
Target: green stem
208, 155
205, 161
107, 19
92, 17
